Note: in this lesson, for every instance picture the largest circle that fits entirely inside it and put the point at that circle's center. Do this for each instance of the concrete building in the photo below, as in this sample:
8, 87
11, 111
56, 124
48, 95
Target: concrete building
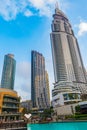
8, 74
38, 81
67, 61
65, 110
83, 107
65, 93
9, 105
70, 109
26, 104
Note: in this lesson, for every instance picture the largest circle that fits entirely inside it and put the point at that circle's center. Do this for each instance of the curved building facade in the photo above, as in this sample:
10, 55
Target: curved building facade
67, 61
65, 93
9, 105
9, 101
8, 74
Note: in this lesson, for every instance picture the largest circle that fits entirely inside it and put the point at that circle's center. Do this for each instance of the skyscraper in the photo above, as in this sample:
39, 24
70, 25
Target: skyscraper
67, 61
38, 83
8, 73
47, 88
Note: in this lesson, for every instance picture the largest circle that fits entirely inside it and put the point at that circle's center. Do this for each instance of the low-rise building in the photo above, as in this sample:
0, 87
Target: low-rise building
9, 105
65, 93
27, 104
83, 107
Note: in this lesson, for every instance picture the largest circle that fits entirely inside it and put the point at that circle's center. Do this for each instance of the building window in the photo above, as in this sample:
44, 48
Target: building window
57, 27
66, 28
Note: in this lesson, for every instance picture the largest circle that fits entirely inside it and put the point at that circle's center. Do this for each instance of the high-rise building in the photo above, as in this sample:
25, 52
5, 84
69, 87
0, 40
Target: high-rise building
8, 73
47, 88
38, 81
67, 61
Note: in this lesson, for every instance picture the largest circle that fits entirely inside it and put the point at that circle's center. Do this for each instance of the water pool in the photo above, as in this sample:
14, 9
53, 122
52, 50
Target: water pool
59, 126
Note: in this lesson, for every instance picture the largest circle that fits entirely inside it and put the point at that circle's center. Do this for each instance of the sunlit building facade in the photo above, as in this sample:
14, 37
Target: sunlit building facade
9, 105
47, 88
67, 61
38, 81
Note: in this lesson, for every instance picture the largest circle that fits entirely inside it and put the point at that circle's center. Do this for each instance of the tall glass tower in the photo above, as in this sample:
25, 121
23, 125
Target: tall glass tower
39, 91
47, 88
67, 61
8, 73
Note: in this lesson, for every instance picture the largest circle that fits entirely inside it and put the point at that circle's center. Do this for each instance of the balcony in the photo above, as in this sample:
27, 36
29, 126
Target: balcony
10, 101
10, 113
10, 107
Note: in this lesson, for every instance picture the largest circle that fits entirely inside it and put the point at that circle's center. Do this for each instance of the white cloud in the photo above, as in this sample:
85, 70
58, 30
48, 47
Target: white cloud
37, 3
28, 13
82, 28
23, 80
9, 9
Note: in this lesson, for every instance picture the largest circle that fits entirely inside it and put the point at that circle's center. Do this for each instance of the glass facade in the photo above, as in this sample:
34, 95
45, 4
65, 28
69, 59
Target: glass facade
38, 81
8, 74
10, 104
71, 96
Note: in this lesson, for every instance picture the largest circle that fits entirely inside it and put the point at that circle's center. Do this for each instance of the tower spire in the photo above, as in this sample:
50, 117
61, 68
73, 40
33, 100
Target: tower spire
56, 7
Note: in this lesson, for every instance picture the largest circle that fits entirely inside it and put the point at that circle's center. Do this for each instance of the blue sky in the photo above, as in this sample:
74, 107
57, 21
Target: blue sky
25, 25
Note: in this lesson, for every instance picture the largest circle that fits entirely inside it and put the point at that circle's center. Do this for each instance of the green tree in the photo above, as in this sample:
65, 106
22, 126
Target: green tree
48, 112
78, 109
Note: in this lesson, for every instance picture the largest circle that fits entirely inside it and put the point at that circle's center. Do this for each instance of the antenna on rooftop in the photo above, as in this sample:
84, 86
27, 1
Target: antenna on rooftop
56, 5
